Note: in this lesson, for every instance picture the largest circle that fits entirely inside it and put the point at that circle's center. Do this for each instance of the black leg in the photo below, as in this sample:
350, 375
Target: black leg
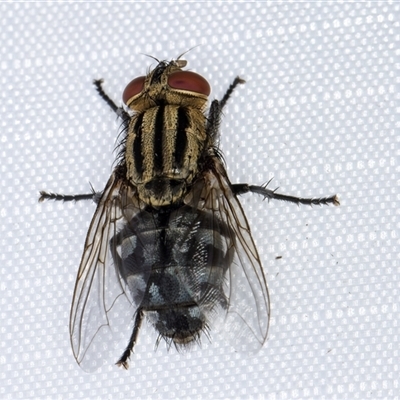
237, 81
118, 110
242, 188
214, 115
95, 196
65, 197
123, 361
213, 120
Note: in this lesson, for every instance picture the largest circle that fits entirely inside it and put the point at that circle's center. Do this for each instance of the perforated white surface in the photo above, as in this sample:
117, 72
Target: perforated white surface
318, 113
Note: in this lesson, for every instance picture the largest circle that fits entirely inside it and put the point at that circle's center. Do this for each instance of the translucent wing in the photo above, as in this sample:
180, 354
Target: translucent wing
247, 313
100, 299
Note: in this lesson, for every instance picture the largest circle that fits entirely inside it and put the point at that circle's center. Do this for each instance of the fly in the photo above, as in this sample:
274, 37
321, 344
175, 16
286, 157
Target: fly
169, 241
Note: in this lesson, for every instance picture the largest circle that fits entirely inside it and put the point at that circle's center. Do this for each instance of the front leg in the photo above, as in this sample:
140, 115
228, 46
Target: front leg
118, 110
214, 115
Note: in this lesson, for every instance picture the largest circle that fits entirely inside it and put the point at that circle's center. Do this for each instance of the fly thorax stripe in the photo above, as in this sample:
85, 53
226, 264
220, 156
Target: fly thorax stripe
178, 125
181, 138
184, 138
159, 140
196, 141
140, 146
137, 144
182, 145
170, 134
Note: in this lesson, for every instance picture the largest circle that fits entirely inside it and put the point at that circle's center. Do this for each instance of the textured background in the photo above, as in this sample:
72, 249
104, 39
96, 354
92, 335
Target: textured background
318, 113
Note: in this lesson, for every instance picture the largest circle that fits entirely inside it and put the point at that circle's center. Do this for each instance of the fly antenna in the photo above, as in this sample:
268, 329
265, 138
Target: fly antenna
187, 51
148, 55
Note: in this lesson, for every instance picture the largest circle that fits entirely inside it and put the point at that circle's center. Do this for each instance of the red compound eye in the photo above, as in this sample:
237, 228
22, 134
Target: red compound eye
133, 88
190, 81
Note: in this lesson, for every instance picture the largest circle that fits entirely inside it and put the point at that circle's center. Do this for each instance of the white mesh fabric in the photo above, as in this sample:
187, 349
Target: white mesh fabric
318, 113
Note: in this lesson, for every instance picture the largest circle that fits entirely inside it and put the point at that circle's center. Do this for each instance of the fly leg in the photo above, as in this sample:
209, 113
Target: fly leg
214, 115
237, 81
118, 110
123, 361
95, 196
241, 188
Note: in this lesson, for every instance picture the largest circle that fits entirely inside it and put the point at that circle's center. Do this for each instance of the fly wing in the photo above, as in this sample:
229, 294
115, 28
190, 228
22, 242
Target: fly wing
101, 300
247, 312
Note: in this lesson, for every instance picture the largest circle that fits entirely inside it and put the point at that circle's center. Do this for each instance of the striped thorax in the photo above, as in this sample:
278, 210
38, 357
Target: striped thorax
166, 138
